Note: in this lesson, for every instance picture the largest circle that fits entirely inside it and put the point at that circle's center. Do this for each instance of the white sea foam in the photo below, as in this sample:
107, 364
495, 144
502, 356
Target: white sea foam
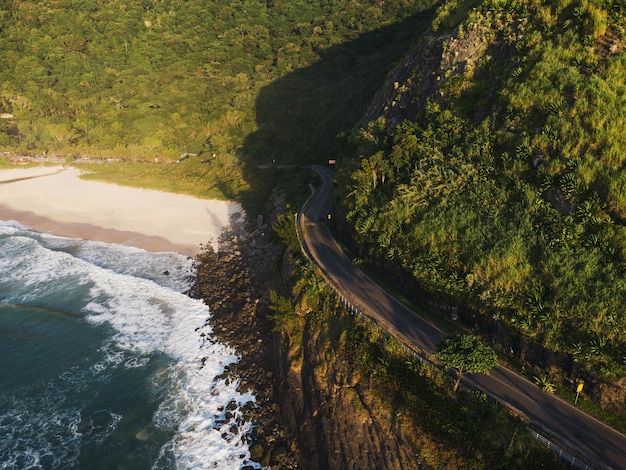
148, 317
139, 296
166, 269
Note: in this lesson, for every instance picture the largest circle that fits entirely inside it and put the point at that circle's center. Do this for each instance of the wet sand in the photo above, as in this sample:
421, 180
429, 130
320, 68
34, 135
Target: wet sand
57, 200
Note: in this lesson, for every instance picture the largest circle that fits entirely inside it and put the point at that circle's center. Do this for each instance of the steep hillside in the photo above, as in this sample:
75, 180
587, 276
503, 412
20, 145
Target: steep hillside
353, 397
490, 170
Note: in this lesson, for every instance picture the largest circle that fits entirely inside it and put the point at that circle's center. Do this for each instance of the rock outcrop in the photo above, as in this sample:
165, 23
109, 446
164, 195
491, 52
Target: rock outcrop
234, 282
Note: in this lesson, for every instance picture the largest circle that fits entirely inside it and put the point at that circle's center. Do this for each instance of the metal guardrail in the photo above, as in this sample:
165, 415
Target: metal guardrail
569, 458
572, 460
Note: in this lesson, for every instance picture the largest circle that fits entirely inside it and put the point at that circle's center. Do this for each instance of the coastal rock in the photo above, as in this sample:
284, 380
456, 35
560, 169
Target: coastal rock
257, 451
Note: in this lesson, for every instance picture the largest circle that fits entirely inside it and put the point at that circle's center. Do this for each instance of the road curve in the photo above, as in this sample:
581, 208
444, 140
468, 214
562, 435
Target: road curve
558, 420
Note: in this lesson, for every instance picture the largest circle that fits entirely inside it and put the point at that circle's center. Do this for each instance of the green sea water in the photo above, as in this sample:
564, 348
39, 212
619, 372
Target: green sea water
101, 361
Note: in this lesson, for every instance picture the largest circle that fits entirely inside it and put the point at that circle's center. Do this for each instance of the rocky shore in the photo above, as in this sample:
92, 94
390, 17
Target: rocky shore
235, 283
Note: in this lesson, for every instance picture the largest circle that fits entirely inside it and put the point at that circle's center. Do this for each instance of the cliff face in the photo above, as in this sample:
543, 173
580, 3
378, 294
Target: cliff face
323, 403
437, 59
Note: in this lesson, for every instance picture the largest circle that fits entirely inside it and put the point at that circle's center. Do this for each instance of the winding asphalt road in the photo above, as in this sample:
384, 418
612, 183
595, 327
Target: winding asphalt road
559, 421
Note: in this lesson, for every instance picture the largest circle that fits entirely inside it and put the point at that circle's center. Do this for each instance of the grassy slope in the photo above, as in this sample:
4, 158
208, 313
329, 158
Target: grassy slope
446, 430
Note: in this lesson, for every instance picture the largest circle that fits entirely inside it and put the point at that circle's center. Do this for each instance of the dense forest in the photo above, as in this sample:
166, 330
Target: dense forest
506, 190
156, 79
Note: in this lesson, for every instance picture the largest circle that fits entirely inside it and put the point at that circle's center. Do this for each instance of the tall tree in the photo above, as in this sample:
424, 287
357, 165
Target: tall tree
467, 354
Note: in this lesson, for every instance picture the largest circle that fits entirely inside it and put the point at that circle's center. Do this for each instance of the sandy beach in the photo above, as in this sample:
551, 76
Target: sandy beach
57, 200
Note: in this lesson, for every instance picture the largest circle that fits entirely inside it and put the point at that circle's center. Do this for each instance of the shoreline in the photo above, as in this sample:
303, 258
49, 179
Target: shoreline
56, 200
236, 284
234, 281
91, 232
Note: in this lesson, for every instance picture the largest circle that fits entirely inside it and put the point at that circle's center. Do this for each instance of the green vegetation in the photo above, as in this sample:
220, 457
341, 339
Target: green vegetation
211, 178
238, 84
285, 229
507, 192
150, 79
467, 354
284, 314
543, 382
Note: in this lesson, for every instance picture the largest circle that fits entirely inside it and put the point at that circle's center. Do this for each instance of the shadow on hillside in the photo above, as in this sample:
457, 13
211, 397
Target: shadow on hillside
303, 117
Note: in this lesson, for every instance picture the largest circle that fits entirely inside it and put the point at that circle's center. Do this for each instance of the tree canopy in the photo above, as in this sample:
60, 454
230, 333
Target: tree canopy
467, 354
152, 79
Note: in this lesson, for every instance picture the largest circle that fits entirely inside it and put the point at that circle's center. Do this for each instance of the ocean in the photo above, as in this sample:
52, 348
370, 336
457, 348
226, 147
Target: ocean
105, 363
